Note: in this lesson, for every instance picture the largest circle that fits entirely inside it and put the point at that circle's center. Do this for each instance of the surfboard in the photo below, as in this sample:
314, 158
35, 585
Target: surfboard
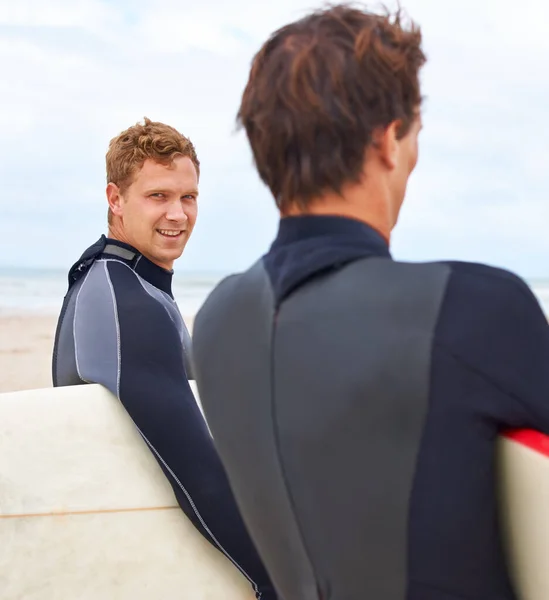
86, 512
523, 479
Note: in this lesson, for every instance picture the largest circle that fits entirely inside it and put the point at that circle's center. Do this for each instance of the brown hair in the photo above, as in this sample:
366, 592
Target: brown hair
317, 91
130, 149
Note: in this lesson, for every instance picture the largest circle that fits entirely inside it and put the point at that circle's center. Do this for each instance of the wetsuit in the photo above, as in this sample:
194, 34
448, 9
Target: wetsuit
120, 327
355, 401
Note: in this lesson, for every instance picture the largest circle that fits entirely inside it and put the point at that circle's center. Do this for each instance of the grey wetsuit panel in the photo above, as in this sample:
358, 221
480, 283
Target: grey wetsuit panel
351, 368
96, 323
233, 372
320, 422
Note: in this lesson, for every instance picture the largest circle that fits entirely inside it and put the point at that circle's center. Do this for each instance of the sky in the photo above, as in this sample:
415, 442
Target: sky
77, 72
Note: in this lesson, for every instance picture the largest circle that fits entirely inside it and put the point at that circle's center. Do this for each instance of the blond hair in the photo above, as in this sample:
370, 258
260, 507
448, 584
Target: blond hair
130, 149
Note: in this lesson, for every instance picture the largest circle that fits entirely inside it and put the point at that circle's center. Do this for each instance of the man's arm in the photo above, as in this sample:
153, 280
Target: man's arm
127, 341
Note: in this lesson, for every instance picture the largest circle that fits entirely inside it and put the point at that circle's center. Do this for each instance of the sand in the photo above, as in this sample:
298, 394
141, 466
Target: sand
26, 343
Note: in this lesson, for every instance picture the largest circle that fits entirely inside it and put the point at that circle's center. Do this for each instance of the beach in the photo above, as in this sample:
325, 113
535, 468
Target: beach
26, 343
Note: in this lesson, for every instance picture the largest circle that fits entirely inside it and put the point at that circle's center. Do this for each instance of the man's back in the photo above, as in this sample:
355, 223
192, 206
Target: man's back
356, 415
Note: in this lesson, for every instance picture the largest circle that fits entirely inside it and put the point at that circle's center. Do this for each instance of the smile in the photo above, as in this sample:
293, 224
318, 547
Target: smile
170, 232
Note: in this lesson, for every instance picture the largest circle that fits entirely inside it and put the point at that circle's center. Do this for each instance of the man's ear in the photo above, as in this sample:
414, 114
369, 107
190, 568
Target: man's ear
115, 199
386, 142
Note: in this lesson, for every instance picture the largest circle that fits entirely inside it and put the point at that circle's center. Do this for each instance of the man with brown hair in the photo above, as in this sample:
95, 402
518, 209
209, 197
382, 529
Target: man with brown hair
120, 327
355, 400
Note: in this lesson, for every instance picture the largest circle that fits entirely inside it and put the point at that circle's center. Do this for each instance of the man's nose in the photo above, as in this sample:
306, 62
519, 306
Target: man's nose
176, 212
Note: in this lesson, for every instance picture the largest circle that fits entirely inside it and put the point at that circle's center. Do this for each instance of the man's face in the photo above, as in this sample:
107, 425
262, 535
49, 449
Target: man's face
157, 212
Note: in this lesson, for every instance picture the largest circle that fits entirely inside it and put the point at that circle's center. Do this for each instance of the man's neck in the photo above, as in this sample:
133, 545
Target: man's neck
115, 234
375, 211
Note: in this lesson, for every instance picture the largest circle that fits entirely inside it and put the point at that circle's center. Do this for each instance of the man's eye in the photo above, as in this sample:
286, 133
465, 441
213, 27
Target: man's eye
157, 195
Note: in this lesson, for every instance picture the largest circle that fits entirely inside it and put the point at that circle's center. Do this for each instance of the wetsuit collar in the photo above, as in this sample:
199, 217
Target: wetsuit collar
155, 275
295, 229
307, 246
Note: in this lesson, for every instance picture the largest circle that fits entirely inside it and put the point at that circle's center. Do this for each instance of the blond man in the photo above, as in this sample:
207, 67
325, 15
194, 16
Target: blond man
120, 327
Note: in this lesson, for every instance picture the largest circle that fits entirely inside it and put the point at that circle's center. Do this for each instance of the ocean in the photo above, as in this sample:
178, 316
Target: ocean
42, 290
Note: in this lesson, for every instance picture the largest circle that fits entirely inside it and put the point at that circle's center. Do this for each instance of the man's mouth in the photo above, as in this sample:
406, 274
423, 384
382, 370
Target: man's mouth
171, 233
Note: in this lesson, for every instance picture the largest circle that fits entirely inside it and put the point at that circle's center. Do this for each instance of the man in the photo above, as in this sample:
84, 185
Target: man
355, 400
120, 327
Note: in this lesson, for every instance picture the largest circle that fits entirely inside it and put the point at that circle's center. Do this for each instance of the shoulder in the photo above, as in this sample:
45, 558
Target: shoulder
493, 276
475, 279
226, 286
94, 289
234, 290
112, 285
128, 289
107, 274
233, 301
487, 309
216, 306
120, 274
483, 286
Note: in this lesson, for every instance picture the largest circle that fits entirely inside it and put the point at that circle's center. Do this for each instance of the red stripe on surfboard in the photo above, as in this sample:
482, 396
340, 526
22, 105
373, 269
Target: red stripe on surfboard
532, 439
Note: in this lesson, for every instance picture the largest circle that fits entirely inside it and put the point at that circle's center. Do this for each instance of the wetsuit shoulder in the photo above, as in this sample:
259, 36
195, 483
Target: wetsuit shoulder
491, 322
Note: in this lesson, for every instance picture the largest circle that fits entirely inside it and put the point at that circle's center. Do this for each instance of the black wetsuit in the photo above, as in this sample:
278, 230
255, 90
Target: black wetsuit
355, 402
120, 327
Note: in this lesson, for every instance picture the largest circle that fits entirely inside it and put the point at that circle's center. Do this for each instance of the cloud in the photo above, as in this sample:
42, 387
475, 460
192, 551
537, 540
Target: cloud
80, 71
85, 14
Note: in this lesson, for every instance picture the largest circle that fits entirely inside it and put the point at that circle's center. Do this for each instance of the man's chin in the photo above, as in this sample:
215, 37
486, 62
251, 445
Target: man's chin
170, 256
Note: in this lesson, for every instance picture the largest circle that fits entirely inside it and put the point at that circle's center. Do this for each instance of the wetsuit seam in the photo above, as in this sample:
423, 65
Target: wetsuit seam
464, 364
200, 518
166, 296
117, 323
277, 446
74, 326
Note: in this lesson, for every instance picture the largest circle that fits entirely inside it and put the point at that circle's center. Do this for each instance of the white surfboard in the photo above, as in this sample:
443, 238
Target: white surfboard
524, 496
86, 512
